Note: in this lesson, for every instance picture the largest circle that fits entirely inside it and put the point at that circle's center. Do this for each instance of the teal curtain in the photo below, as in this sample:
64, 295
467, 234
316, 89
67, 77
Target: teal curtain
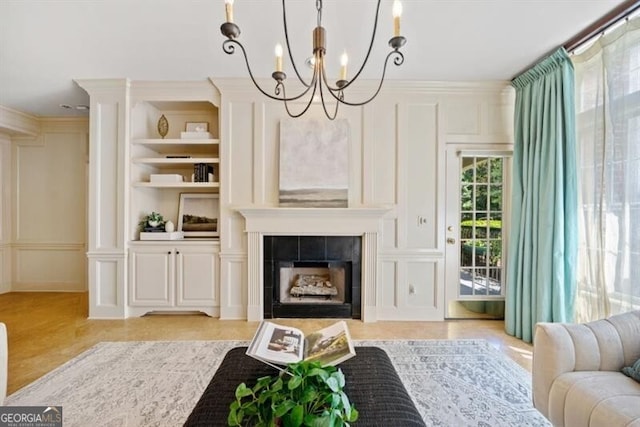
541, 269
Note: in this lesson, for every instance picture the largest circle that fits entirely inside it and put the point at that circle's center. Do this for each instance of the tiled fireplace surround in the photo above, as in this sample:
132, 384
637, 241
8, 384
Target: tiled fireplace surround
341, 252
365, 222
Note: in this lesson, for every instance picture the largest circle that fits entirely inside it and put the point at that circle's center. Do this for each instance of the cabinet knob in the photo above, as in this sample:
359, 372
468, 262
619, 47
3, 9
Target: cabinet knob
168, 252
177, 252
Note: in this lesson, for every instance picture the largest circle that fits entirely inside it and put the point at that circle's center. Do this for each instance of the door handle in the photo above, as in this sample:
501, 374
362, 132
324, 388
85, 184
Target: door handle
451, 241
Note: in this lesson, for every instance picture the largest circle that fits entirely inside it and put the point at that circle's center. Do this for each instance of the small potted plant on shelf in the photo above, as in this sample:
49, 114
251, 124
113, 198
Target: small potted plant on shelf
152, 222
306, 394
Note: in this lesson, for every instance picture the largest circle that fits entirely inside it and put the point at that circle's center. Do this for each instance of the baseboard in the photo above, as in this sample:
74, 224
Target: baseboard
48, 287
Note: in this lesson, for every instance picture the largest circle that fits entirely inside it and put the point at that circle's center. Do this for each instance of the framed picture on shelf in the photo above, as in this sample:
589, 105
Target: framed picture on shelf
198, 214
197, 127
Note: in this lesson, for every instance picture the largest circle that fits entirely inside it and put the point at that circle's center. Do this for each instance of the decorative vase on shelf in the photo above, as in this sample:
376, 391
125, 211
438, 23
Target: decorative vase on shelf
163, 126
153, 223
169, 227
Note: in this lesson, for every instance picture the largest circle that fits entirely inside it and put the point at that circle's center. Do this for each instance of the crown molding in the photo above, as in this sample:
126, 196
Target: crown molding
498, 87
17, 123
198, 90
102, 85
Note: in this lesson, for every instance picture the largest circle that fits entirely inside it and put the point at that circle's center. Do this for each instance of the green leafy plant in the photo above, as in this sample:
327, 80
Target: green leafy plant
149, 220
307, 394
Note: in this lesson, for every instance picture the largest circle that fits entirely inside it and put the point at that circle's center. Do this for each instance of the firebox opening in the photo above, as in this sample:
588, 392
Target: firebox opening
312, 276
304, 283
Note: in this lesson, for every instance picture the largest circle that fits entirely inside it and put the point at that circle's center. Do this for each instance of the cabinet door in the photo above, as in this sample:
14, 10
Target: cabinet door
196, 272
152, 273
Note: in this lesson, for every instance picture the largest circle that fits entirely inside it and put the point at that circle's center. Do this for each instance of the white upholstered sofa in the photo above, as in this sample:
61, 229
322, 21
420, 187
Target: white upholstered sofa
3, 362
577, 378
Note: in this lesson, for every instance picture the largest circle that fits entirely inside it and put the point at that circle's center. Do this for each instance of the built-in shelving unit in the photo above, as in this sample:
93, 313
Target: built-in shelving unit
173, 275
161, 169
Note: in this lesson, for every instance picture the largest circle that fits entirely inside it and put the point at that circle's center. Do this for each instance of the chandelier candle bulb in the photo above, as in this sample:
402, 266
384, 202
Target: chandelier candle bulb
228, 8
397, 12
278, 57
344, 59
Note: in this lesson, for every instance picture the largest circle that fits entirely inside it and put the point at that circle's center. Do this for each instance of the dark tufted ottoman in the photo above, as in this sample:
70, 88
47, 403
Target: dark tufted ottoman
373, 386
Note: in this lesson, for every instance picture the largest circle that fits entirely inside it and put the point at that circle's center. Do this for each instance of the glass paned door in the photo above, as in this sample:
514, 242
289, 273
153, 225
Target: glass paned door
475, 226
481, 226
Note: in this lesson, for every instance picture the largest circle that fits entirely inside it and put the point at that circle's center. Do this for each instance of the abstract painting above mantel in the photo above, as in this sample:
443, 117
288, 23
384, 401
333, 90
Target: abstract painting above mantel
314, 163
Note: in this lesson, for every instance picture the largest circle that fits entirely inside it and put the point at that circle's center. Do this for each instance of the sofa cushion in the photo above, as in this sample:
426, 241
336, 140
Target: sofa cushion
633, 371
582, 397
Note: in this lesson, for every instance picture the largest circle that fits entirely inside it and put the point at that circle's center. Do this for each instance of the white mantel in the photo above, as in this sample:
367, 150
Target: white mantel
361, 221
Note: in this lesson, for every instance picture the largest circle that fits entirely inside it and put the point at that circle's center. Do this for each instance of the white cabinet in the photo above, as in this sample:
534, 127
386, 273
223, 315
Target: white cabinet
180, 276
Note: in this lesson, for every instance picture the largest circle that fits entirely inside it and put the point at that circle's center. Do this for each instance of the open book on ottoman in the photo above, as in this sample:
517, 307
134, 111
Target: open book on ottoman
279, 345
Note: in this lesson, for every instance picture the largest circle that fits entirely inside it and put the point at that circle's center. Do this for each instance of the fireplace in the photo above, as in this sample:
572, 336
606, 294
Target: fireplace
312, 276
363, 223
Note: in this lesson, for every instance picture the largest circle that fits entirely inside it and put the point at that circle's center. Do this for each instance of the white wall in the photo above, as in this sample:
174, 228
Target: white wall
42, 202
5, 213
397, 157
48, 207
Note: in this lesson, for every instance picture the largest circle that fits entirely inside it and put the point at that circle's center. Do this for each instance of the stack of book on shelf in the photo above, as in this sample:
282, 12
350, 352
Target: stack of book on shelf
161, 235
202, 172
195, 135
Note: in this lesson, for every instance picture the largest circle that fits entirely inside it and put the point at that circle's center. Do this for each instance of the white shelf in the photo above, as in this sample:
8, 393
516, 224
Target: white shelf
177, 184
162, 162
176, 146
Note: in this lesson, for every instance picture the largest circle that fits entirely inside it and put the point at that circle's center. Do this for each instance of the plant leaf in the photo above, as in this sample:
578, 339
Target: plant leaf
335, 400
277, 386
340, 377
309, 394
242, 391
346, 405
283, 408
294, 382
333, 384
353, 415
295, 416
232, 419
318, 372
323, 421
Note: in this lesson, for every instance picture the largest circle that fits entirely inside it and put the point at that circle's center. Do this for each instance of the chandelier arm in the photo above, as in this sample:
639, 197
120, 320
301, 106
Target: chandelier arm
397, 60
286, 38
229, 48
324, 106
286, 105
366, 58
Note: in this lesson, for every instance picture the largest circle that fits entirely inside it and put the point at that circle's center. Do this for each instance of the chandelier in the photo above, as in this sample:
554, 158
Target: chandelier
319, 86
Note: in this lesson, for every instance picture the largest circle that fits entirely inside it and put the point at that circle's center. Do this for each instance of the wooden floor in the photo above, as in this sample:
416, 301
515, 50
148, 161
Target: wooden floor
47, 329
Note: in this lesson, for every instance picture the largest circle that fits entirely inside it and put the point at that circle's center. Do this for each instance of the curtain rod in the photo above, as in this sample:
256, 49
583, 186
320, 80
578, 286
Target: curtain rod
620, 12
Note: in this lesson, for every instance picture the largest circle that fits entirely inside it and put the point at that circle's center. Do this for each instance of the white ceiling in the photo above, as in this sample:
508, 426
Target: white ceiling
45, 44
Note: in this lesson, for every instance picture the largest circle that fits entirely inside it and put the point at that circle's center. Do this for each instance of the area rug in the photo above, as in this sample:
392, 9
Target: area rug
157, 383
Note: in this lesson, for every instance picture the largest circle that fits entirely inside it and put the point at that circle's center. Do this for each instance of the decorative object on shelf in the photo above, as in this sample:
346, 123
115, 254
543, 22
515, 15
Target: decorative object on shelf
152, 223
306, 393
163, 126
196, 127
319, 83
169, 227
196, 130
198, 214
165, 177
